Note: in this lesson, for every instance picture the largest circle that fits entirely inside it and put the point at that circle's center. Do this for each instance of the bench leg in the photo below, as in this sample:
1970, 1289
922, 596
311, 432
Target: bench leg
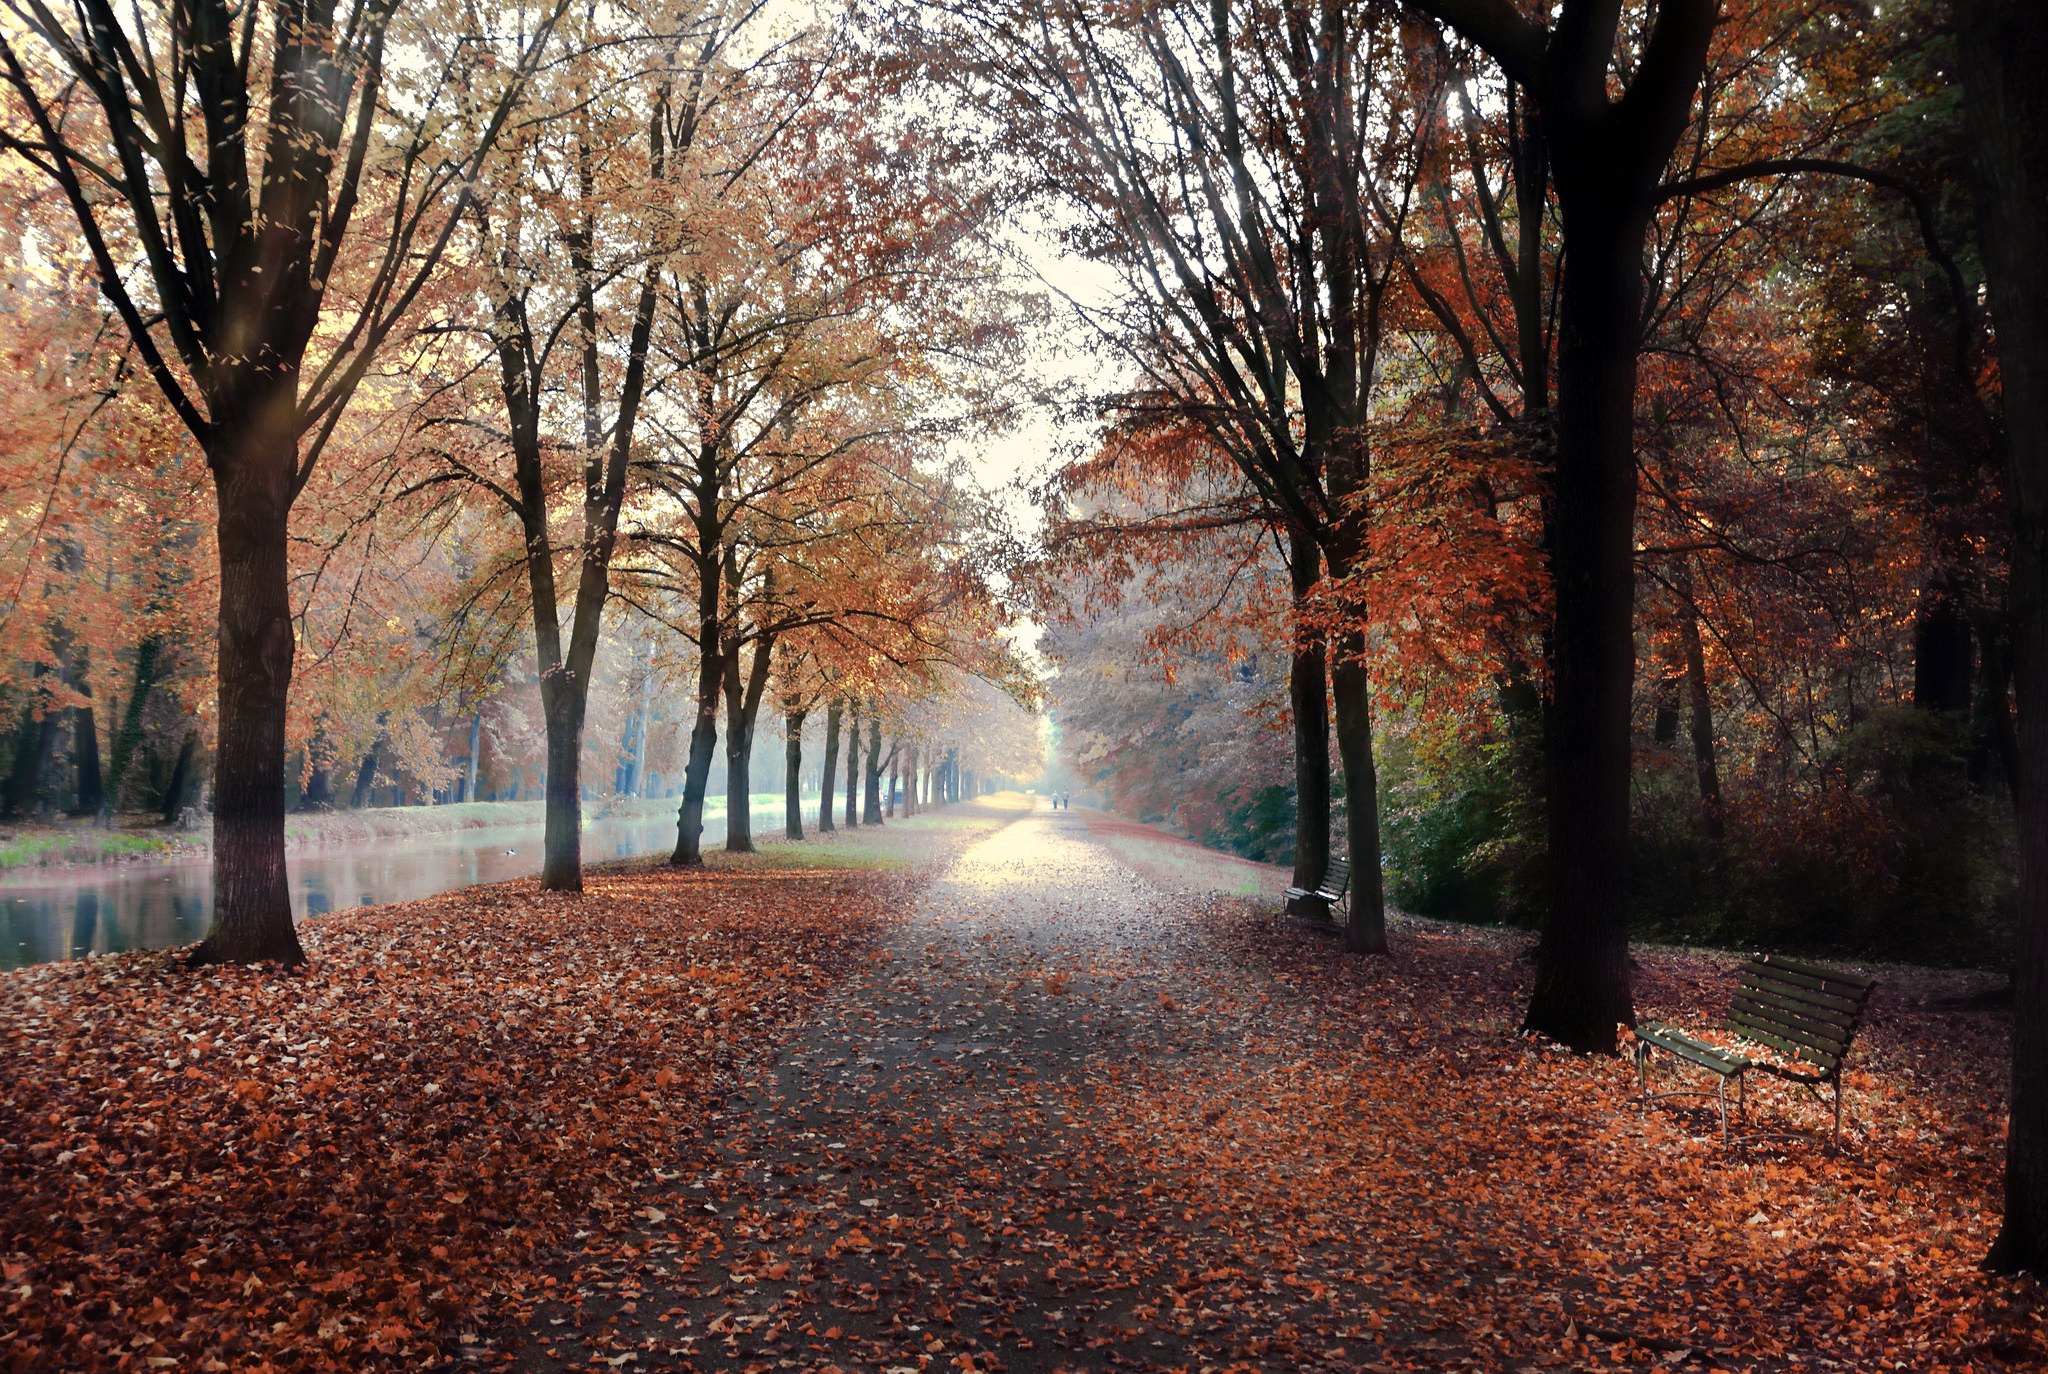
1838, 1113
1721, 1100
1643, 1075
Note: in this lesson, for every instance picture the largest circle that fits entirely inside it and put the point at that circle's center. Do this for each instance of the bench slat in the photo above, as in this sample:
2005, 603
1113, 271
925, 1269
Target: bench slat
1832, 1038
1778, 987
1725, 1062
1800, 1010
1855, 990
1826, 1063
1748, 1023
1820, 971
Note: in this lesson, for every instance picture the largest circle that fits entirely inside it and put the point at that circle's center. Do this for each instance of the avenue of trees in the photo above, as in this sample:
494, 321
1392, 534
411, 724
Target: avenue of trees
1580, 460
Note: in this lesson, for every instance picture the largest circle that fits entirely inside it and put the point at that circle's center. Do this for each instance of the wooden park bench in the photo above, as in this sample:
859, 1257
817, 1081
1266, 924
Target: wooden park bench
1807, 1013
1336, 881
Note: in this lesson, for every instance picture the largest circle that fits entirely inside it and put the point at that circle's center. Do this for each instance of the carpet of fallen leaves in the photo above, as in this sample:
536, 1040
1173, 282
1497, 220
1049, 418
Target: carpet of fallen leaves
1050, 1104
342, 1167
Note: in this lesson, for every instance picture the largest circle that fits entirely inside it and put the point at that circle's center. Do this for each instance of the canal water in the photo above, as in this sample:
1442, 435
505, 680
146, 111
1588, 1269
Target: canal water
154, 906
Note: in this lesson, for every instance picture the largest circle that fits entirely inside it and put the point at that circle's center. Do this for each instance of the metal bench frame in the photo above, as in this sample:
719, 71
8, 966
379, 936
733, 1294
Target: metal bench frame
1807, 1011
1332, 888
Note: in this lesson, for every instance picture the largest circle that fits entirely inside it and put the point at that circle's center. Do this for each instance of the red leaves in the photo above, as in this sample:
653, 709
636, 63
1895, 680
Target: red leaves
332, 1170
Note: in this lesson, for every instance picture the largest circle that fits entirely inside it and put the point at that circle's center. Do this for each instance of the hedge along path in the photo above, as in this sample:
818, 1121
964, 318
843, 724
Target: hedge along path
1069, 1117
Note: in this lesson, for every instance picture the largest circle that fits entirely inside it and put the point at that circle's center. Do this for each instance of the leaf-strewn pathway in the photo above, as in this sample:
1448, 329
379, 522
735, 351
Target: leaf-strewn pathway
1065, 1117
1053, 1100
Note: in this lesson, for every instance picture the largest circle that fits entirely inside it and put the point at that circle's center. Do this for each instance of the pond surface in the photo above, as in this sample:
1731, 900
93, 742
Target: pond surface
154, 906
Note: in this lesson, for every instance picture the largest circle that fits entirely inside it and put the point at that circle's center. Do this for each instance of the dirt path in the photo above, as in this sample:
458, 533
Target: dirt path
1067, 1118
916, 1180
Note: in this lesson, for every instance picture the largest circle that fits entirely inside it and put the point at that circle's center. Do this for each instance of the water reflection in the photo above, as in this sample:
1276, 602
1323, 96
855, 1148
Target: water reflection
104, 911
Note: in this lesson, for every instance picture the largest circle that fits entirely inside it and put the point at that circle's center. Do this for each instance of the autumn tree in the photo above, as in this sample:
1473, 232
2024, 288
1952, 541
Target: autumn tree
2003, 46
581, 210
229, 153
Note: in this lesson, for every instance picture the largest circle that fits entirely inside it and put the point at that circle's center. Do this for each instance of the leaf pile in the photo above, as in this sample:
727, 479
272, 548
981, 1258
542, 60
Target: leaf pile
1071, 1121
234, 1168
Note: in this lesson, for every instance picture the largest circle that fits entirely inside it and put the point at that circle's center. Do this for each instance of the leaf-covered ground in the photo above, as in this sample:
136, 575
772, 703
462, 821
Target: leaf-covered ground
1049, 1102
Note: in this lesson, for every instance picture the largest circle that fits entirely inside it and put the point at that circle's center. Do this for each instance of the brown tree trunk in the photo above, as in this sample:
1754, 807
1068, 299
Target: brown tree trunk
895, 766
182, 771
1607, 155
853, 766
562, 704
871, 791
2003, 47
743, 711
834, 714
704, 734
1351, 695
252, 908
1308, 696
792, 774
1702, 725
1582, 985
129, 736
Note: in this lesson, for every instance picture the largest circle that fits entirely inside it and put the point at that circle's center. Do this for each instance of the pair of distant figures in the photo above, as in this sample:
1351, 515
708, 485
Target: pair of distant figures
1063, 799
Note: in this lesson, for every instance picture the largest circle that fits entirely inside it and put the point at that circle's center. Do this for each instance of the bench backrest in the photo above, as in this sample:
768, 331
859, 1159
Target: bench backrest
1805, 1010
1337, 875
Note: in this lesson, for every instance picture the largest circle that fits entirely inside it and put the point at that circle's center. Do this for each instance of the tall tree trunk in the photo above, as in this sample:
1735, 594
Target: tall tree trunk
319, 792
1607, 155
1942, 660
834, 714
129, 736
366, 778
1308, 697
1702, 725
871, 793
1582, 985
704, 733
85, 737
562, 701
792, 774
743, 710
29, 751
895, 766
910, 766
476, 745
853, 765
183, 771
252, 908
1351, 694
2003, 47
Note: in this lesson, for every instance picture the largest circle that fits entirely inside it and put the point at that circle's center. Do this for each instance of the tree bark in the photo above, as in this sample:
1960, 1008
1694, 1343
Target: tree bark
853, 766
2003, 50
792, 774
1351, 694
834, 714
1308, 696
129, 736
742, 711
1606, 157
704, 733
183, 769
366, 779
1582, 988
252, 909
1704, 764
562, 700
1942, 660
871, 790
